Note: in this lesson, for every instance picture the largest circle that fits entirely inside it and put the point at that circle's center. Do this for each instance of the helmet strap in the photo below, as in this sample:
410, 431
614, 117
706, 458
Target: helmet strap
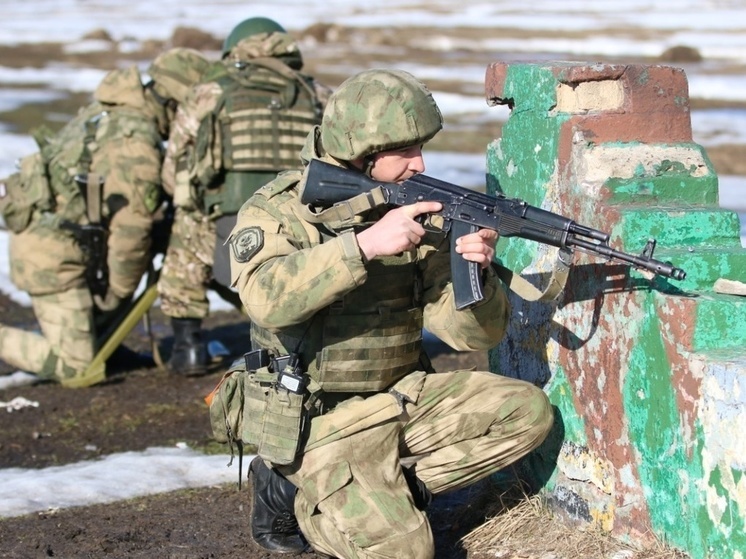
368, 163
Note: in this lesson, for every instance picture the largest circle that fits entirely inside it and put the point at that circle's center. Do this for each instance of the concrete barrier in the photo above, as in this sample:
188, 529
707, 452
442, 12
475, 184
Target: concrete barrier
648, 376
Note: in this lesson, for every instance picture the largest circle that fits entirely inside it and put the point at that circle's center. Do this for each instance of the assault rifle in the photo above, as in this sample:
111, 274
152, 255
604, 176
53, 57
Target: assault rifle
465, 211
93, 236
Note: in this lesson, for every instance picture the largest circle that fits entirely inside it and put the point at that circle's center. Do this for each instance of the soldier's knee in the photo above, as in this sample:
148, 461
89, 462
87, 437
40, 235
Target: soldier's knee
541, 416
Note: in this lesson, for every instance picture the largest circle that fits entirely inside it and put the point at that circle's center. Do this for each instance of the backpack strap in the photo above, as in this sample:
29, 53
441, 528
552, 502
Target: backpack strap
284, 70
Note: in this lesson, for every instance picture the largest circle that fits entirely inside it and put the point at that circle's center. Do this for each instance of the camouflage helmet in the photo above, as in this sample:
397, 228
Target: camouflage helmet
176, 71
249, 27
378, 110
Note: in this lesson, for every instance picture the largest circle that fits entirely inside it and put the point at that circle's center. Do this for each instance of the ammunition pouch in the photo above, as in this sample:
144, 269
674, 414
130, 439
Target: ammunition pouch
25, 191
260, 401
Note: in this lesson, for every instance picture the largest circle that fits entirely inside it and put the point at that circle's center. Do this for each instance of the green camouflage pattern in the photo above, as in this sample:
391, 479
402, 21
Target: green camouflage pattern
119, 138
458, 428
187, 267
353, 500
65, 346
302, 273
127, 152
177, 287
266, 112
378, 110
175, 72
249, 27
274, 44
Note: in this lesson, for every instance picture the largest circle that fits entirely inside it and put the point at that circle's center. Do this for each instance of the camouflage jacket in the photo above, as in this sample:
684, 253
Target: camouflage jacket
287, 270
127, 153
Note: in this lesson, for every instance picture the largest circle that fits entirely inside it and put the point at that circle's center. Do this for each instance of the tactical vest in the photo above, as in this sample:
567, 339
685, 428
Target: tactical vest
256, 130
366, 341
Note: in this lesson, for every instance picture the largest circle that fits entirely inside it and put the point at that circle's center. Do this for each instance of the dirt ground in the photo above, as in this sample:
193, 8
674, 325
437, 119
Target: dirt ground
142, 406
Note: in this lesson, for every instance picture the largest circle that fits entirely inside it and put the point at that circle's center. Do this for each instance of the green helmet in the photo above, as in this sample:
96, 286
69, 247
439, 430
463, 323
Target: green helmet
378, 110
176, 71
249, 27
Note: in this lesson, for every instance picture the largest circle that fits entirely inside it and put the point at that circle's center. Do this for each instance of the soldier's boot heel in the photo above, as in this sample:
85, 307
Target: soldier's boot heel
273, 523
189, 355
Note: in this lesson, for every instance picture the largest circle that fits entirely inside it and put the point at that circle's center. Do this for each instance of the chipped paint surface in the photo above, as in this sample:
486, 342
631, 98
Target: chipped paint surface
648, 378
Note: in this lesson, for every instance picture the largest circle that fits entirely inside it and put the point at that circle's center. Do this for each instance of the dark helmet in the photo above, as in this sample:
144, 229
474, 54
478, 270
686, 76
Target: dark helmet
378, 110
249, 27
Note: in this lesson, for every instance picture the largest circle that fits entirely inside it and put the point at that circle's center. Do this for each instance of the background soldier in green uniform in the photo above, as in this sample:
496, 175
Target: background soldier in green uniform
246, 122
81, 211
347, 302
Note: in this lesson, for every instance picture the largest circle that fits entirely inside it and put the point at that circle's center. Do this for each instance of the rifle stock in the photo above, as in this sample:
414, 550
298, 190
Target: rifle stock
465, 211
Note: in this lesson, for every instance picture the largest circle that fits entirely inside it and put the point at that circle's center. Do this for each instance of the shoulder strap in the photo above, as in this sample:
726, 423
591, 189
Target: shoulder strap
284, 70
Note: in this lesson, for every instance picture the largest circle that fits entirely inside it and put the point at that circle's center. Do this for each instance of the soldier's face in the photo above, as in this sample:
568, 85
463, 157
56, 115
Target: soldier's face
397, 165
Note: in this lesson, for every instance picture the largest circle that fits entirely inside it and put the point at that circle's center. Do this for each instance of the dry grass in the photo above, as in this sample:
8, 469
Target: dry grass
524, 527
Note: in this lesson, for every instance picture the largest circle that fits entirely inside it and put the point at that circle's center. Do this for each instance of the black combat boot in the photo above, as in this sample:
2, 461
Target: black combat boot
273, 523
189, 354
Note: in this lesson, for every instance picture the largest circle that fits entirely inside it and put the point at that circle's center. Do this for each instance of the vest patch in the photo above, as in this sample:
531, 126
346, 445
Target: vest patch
246, 243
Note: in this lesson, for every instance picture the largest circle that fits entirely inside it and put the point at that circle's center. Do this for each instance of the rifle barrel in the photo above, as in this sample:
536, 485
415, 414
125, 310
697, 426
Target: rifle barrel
660, 268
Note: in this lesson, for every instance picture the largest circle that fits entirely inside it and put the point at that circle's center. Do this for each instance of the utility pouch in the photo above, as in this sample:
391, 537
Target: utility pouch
282, 426
257, 386
254, 405
274, 412
24, 191
205, 160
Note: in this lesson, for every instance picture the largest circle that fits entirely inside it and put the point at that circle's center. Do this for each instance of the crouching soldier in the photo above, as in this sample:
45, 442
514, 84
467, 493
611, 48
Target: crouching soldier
338, 298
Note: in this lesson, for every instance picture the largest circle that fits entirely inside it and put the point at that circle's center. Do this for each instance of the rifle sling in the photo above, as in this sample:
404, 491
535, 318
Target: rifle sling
529, 292
346, 210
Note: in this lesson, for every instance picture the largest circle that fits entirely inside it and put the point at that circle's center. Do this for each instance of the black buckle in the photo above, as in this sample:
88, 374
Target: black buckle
257, 359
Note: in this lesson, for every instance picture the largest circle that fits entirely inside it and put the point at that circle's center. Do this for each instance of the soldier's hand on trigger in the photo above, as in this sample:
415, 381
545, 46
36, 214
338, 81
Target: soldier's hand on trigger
478, 247
397, 231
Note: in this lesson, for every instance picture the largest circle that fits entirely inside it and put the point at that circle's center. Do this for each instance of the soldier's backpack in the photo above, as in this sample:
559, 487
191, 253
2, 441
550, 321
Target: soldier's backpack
45, 180
55, 178
258, 126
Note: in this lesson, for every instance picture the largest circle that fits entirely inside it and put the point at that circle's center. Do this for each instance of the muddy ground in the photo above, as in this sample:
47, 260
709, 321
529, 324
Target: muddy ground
143, 406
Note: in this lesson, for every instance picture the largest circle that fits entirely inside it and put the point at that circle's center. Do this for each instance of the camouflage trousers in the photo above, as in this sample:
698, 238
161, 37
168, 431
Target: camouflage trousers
353, 500
187, 267
66, 345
